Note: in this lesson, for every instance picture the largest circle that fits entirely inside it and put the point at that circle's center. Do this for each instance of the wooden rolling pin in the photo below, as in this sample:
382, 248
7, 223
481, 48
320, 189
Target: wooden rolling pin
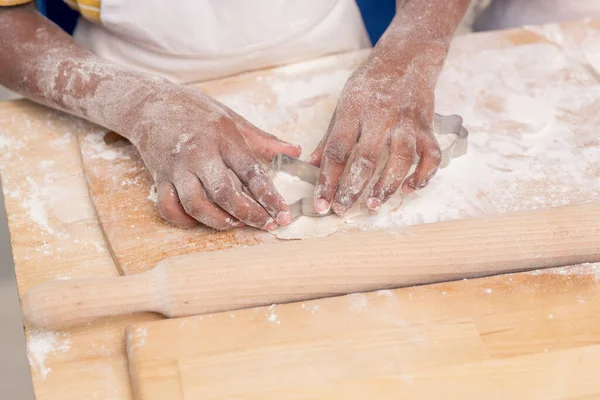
316, 268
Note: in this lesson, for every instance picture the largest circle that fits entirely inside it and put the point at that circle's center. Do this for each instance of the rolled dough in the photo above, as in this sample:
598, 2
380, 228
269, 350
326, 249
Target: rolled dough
293, 188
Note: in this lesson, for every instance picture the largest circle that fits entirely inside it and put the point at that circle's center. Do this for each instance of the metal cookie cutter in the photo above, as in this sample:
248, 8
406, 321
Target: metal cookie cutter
443, 124
450, 125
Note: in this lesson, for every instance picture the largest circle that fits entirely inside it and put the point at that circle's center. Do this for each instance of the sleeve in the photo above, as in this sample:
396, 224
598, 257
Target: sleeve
13, 2
89, 9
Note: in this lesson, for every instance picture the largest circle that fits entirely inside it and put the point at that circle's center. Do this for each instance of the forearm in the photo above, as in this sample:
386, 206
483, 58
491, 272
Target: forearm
429, 19
416, 43
424, 22
46, 65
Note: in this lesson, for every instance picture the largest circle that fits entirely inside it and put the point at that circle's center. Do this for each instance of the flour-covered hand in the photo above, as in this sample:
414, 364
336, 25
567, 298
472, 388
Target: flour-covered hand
200, 153
388, 105
202, 156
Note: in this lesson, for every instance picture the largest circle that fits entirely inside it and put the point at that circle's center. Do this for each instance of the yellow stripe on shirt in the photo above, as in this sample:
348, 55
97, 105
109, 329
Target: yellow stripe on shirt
89, 9
13, 2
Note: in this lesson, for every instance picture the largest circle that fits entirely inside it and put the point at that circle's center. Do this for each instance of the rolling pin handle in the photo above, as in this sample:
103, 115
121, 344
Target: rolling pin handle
67, 303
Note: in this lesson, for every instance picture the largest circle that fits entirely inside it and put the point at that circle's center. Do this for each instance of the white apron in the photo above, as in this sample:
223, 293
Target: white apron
195, 40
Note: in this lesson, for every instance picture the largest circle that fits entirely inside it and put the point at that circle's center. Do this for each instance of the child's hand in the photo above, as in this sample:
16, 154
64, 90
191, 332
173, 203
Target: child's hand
195, 147
387, 104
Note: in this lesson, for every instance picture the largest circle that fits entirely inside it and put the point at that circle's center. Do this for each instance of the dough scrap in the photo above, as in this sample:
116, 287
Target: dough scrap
309, 227
293, 188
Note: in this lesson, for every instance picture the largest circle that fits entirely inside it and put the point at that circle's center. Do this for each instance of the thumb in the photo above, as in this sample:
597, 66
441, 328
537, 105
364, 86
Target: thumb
263, 144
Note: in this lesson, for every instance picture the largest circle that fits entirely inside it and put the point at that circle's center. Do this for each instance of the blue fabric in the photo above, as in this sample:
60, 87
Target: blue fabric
377, 15
41, 6
60, 13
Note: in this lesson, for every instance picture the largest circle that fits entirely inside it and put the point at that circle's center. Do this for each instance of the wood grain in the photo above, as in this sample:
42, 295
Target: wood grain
310, 269
383, 345
55, 234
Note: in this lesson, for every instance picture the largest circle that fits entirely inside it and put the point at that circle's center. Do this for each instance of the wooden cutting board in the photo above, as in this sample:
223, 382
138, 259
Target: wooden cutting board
531, 111
424, 342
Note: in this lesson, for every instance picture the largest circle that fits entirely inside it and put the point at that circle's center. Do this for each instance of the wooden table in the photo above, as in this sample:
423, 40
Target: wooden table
55, 234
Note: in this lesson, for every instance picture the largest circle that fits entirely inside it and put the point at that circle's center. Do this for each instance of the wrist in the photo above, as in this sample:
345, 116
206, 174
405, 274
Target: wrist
406, 37
405, 56
136, 96
106, 93
424, 22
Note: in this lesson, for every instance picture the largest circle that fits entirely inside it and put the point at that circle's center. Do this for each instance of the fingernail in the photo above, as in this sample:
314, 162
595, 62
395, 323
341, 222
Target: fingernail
270, 225
420, 185
407, 189
322, 206
373, 203
284, 218
340, 209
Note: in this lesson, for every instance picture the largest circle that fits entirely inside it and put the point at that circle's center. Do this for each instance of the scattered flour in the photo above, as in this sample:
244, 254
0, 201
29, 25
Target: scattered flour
138, 339
36, 209
108, 155
357, 302
324, 63
7, 144
575, 45
4, 143
292, 91
153, 195
312, 308
272, 315
40, 344
532, 117
46, 164
62, 141
96, 144
587, 269
593, 59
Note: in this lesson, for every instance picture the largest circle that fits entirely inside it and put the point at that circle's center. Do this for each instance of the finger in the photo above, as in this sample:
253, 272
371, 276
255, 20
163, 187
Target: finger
361, 169
316, 156
342, 139
170, 208
264, 145
430, 158
197, 205
221, 189
252, 175
402, 155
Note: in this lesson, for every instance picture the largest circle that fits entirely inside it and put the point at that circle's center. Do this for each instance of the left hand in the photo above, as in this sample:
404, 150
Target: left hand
387, 102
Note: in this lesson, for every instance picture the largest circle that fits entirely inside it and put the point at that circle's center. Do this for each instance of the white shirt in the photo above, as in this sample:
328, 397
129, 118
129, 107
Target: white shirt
196, 40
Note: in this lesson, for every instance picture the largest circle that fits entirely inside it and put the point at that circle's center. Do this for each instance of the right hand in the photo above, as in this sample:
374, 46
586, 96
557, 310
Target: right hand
192, 144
